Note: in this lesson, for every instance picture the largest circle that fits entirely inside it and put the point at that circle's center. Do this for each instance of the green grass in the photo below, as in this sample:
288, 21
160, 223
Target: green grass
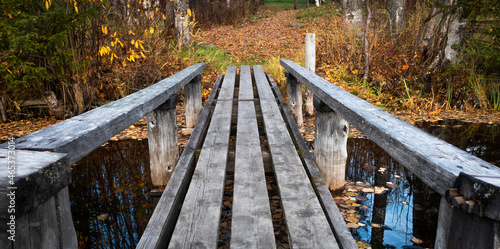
283, 4
325, 9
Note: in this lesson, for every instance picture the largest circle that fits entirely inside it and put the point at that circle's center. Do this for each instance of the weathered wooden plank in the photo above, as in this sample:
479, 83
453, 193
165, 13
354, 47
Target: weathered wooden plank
199, 218
337, 223
38, 176
162, 142
251, 226
261, 83
81, 134
246, 89
434, 161
162, 222
307, 225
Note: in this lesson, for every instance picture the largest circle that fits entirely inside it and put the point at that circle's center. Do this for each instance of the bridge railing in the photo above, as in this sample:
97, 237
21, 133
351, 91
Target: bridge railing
469, 186
35, 170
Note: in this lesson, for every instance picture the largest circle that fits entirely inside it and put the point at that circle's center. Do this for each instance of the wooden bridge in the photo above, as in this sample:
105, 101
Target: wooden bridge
247, 129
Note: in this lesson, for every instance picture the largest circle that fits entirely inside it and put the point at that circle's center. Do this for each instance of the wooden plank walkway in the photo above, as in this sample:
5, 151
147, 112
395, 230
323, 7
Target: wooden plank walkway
309, 223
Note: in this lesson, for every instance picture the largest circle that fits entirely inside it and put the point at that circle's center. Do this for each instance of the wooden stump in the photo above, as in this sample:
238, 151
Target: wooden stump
330, 145
192, 103
162, 141
294, 94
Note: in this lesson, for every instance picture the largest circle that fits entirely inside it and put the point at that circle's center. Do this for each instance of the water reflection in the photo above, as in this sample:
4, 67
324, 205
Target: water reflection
410, 209
109, 194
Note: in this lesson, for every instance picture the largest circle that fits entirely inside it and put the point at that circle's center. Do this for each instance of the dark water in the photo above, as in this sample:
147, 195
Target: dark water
109, 194
410, 209
111, 205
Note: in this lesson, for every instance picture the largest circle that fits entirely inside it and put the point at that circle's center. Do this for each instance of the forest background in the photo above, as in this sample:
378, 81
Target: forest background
63, 57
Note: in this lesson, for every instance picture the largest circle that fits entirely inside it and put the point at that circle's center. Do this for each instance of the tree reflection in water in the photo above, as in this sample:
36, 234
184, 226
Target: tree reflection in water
109, 194
410, 209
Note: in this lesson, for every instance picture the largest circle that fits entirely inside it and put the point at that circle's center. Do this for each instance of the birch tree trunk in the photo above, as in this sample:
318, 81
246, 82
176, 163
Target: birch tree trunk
352, 13
367, 44
310, 64
182, 27
318, 3
397, 14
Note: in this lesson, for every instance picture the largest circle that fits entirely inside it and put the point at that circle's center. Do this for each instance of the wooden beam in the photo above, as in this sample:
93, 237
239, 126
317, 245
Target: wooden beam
434, 161
294, 95
337, 223
198, 222
192, 101
301, 206
251, 226
81, 134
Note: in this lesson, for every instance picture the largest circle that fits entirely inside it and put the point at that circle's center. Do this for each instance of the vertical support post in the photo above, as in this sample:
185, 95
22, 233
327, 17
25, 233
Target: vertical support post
460, 229
162, 141
294, 94
192, 103
310, 64
330, 144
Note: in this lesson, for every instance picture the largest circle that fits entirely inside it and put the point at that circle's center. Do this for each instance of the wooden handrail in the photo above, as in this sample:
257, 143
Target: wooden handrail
81, 134
433, 160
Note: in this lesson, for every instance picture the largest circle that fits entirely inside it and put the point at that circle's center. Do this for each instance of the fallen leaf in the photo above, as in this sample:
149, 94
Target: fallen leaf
368, 190
416, 240
102, 216
375, 225
352, 225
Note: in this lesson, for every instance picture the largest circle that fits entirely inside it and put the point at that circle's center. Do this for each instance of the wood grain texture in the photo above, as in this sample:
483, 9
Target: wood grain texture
252, 225
434, 161
198, 223
337, 223
193, 101
38, 177
294, 95
67, 229
307, 225
163, 144
81, 134
162, 222
330, 147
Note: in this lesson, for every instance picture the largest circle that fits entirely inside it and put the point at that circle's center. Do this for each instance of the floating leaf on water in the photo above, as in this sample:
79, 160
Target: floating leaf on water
364, 207
416, 240
375, 225
102, 216
368, 190
352, 225
391, 185
404, 202
277, 216
351, 211
361, 198
363, 244
351, 194
360, 183
397, 176
352, 220
380, 190
361, 224
382, 170
356, 204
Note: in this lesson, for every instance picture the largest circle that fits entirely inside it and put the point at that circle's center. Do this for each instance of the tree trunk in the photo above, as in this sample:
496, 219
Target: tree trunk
352, 13
79, 99
296, 4
367, 44
54, 108
397, 14
182, 27
318, 3
2, 110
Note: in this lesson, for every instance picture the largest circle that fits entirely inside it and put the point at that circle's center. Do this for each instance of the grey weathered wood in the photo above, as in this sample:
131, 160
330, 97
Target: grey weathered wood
483, 191
251, 225
38, 177
199, 218
162, 142
330, 145
434, 161
337, 223
444, 224
245, 87
261, 82
67, 229
310, 64
49, 226
192, 102
162, 221
294, 95
307, 225
81, 134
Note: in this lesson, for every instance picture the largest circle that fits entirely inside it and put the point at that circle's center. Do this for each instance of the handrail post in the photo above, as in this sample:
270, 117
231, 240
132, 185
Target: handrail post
330, 144
162, 141
192, 103
294, 94
309, 64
